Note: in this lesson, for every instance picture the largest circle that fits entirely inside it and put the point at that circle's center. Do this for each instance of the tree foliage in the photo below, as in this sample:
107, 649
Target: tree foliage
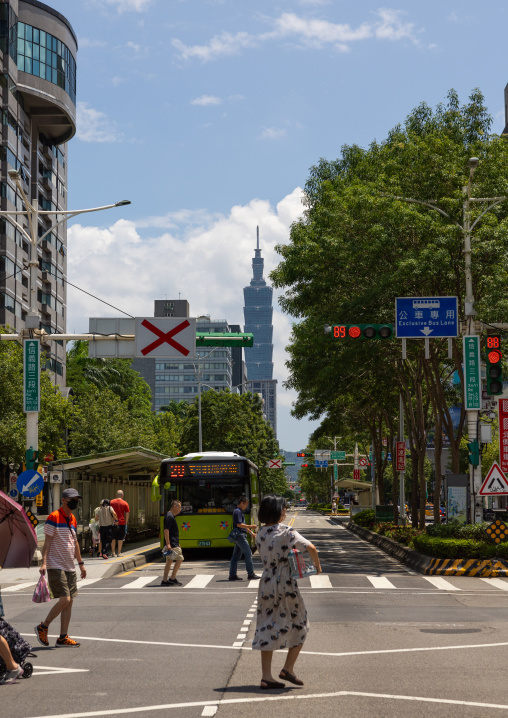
358, 247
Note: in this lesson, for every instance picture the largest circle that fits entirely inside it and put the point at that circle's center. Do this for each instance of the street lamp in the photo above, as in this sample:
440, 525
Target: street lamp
32, 213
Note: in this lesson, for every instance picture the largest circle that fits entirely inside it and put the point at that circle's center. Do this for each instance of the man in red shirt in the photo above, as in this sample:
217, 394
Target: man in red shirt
122, 510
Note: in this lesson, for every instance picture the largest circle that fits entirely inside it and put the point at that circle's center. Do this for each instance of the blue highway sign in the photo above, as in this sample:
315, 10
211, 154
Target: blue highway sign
321, 464
30, 483
423, 317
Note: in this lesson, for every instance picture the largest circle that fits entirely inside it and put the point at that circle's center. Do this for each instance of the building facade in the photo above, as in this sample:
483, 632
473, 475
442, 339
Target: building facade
258, 313
177, 380
38, 86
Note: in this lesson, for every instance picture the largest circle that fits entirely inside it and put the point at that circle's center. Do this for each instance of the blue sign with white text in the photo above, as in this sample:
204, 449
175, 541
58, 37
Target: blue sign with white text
426, 317
30, 483
323, 464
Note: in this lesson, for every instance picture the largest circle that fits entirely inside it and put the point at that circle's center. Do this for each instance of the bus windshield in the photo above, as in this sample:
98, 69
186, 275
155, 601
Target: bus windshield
219, 495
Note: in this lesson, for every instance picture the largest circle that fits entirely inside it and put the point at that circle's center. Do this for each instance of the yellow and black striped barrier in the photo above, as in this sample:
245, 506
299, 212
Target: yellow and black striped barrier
467, 567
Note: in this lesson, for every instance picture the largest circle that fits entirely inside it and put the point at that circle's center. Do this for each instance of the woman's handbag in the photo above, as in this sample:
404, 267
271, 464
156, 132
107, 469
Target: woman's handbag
298, 567
41, 592
233, 535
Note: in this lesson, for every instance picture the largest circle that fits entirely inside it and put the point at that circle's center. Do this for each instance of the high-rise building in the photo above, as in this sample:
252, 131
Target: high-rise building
176, 379
38, 86
258, 315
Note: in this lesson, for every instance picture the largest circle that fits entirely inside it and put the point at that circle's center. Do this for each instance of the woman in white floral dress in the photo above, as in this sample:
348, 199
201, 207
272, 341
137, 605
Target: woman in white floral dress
281, 615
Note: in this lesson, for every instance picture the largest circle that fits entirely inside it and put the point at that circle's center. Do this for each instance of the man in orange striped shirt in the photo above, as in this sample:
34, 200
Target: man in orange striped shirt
60, 549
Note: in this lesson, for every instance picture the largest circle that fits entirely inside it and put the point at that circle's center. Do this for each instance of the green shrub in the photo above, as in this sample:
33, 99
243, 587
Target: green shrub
340, 506
454, 529
458, 548
365, 518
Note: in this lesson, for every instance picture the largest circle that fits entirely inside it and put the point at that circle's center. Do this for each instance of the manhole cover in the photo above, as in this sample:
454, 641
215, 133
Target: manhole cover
450, 630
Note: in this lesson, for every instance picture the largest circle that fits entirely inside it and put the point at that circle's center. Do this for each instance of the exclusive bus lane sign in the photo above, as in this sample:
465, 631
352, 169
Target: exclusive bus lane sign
424, 317
495, 484
165, 337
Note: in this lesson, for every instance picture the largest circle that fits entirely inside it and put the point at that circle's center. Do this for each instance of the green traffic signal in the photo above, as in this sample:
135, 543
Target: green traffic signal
474, 452
494, 358
31, 459
361, 331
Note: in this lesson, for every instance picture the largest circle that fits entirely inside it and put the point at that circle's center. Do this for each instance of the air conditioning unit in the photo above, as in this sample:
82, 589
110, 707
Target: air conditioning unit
56, 477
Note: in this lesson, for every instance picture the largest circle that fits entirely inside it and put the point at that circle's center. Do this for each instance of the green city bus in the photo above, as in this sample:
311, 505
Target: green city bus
208, 485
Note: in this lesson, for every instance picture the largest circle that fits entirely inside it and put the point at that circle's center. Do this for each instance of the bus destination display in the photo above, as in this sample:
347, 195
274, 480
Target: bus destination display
181, 470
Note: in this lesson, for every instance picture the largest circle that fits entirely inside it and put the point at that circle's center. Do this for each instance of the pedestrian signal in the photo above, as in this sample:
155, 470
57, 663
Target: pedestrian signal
31, 518
362, 331
494, 358
474, 452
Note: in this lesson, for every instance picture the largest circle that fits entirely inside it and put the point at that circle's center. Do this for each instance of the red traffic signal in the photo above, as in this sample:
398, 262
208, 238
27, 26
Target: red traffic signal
305, 466
301, 453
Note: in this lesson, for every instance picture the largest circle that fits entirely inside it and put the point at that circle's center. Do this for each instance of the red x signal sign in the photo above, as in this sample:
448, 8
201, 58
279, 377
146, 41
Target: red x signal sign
274, 464
166, 337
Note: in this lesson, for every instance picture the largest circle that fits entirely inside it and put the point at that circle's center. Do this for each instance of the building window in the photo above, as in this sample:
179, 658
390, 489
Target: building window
43, 55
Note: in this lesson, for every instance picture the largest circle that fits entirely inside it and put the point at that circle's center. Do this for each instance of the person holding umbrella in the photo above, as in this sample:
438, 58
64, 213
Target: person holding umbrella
60, 549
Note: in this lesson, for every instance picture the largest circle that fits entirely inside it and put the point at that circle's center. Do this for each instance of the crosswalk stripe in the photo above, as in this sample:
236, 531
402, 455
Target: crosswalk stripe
19, 587
254, 583
321, 581
87, 582
139, 582
497, 582
441, 583
380, 582
201, 580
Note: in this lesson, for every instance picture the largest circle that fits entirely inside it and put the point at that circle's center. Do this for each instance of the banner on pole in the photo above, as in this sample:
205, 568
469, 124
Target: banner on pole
31, 375
503, 435
401, 456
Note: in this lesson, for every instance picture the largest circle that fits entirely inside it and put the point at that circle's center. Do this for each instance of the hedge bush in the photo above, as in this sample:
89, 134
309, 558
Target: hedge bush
454, 529
365, 518
459, 548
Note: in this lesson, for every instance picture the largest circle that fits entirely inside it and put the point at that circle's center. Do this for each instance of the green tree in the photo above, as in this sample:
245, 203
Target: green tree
358, 247
234, 422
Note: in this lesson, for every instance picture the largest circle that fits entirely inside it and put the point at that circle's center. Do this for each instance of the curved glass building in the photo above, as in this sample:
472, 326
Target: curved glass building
38, 85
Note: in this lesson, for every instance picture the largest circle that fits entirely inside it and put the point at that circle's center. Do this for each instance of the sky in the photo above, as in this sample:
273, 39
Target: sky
208, 115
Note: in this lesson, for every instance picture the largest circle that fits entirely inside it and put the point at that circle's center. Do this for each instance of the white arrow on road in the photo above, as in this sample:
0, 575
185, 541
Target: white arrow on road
32, 481
426, 331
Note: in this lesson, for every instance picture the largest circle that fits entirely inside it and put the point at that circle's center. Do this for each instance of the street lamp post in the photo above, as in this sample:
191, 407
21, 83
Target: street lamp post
469, 311
32, 212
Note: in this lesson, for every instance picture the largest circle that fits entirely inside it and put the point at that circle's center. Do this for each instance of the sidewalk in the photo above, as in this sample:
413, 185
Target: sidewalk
136, 554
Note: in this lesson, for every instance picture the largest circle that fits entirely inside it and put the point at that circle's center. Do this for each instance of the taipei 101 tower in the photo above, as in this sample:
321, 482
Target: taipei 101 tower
258, 320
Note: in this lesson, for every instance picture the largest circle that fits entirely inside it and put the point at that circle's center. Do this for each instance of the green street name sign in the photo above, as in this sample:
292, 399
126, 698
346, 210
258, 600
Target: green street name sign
472, 380
31, 375
335, 472
338, 455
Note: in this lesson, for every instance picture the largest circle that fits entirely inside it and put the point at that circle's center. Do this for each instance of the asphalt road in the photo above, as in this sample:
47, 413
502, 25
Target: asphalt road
384, 640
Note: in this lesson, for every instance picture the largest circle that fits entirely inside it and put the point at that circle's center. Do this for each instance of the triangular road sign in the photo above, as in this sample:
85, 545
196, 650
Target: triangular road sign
495, 484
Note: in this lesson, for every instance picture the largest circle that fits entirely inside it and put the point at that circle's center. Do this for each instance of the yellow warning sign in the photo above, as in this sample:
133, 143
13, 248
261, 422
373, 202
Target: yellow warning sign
497, 531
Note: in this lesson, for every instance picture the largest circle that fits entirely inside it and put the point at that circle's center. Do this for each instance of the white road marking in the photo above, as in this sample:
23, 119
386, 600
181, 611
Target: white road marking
19, 587
238, 644
441, 583
241, 636
210, 710
271, 699
247, 623
138, 582
52, 670
497, 582
380, 582
321, 581
254, 583
199, 581
87, 582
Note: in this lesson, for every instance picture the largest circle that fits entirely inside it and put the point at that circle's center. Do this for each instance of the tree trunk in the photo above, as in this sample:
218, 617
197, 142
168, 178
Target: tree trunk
438, 446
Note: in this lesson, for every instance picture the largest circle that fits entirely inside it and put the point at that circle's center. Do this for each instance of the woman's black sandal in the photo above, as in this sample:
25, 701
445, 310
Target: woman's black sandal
271, 684
287, 676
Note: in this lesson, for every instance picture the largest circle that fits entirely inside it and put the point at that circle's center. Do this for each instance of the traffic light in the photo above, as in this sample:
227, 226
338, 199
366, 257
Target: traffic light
494, 357
33, 520
362, 331
303, 454
32, 458
474, 452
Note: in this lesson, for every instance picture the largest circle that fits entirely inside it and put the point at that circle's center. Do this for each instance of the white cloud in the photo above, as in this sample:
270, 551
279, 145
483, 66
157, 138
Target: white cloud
128, 5
205, 100
205, 257
272, 133
84, 42
308, 32
118, 80
95, 126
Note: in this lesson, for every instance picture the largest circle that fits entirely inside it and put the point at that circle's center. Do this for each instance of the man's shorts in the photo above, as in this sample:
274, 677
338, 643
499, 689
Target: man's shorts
119, 532
175, 555
62, 583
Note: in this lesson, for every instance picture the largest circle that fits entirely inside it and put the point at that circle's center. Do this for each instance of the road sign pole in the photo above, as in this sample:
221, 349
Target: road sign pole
402, 488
